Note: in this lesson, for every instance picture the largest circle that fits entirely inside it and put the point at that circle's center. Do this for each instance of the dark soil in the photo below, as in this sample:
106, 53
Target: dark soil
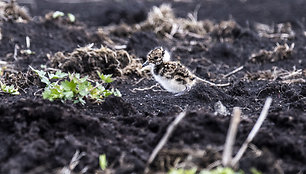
39, 136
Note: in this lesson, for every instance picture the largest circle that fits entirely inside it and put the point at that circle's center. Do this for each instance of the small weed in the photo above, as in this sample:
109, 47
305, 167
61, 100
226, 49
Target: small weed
71, 17
255, 171
221, 170
67, 86
57, 14
102, 161
182, 171
105, 78
8, 89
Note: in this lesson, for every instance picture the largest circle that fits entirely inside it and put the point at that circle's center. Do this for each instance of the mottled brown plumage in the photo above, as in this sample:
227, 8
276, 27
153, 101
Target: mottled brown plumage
172, 75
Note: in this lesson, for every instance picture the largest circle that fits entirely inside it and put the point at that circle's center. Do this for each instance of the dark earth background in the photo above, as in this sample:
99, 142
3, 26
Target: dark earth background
39, 136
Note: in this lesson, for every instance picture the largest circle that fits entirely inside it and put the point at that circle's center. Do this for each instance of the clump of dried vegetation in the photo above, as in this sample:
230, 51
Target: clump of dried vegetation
11, 11
281, 31
21, 80
89, 60
163, 22
284, 76
279, 52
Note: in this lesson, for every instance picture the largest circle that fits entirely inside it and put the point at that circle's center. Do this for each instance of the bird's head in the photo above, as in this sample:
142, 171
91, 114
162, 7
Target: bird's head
157, 56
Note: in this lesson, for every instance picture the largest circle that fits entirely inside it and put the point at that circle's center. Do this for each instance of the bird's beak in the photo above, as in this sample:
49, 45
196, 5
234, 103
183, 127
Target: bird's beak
145, 64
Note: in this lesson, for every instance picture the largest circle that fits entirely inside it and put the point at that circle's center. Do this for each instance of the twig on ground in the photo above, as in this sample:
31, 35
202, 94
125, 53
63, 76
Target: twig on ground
16, 47
230, 138
73, 163
214, 164
144, 89
213, 84
140, 80
253, 132
164, 140
233, 72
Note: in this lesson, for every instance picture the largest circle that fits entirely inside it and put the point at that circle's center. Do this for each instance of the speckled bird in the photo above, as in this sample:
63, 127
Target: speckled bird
171, 75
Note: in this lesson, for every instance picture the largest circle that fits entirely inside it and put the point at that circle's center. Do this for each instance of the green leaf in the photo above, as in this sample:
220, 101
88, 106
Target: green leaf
105, 78
102, 161
42, 76
57, 14
107, 93
84, 88
221, 170
8, 89
71, 17
82, 101
68, 95
69, 85
255, 171
183, 171
57, 75
43, 66
117, 93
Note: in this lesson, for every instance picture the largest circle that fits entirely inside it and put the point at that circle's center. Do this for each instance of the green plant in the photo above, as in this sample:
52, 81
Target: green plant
8, 89
183, 171
71, 17
255, 171
57, 14
102, 161
221, 170
105, 78
67, 86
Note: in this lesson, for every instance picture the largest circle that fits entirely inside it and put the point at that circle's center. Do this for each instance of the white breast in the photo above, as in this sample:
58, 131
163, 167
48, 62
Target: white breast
169, 84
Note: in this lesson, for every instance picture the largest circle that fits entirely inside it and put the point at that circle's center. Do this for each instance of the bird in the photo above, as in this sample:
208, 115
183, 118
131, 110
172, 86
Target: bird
172, 75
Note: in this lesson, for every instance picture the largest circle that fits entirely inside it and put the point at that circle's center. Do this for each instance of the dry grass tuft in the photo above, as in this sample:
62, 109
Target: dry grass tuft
285, 76
281, 31
11, 11
226, 30
163, 22
21, 80
279, 52
89, 60
170, 158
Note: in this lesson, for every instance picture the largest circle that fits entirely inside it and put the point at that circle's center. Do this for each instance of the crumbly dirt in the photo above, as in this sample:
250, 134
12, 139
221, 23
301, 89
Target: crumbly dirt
39, 136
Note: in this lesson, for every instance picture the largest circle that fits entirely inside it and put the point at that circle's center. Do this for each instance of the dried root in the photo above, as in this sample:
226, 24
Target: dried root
89, 60
170, 158
285, 76
280, 52
13, 12
18, 79
281, 31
